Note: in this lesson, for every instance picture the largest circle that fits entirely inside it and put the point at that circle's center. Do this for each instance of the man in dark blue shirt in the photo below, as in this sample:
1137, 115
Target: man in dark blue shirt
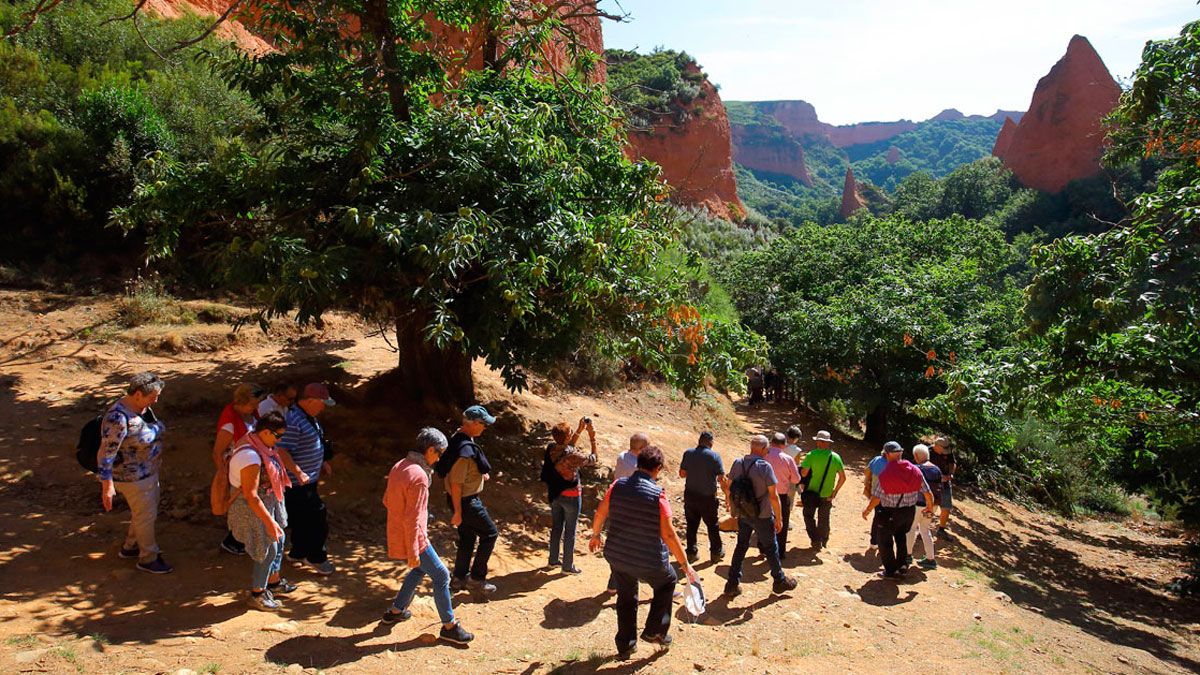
702, 470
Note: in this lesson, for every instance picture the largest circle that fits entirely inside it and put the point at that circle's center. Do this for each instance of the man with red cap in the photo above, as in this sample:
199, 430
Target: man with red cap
901, 486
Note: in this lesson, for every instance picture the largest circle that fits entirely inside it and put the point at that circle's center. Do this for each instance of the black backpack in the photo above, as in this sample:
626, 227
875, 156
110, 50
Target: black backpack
743, 502
88, 447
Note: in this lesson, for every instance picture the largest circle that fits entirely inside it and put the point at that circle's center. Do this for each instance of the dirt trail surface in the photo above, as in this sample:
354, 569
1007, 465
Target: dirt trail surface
1016, 590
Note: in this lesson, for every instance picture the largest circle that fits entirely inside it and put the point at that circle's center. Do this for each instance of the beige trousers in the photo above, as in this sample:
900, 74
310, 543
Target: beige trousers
921, 525
142, 497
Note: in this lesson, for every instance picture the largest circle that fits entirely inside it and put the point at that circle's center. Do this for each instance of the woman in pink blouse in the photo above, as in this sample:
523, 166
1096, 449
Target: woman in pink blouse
407, 502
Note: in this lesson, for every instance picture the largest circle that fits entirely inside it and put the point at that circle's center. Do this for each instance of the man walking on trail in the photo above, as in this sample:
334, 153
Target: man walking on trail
465, 469
821, 490
752, 498
304, 447
943, 458
639, 535
702, 469
407, 502
901, 486
786, 475
871, 481
627, 461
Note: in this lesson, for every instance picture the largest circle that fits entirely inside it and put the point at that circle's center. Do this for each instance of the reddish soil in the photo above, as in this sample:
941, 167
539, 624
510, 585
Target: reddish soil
1017, 590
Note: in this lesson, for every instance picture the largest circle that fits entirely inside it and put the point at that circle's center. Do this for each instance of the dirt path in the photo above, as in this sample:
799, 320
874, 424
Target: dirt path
1017, 590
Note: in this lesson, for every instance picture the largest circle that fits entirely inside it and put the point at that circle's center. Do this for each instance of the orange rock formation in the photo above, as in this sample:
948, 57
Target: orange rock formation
696, 156
756, 147
851, 199
1004, 138
1061, 138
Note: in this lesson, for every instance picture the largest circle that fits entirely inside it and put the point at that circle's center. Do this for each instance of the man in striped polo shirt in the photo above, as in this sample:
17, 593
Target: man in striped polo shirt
639, 534
304, 446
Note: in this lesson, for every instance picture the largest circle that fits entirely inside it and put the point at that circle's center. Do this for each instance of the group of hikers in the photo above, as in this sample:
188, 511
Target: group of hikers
270, 451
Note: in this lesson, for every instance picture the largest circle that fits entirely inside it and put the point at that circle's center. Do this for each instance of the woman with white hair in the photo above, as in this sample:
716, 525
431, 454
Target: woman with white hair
923, 523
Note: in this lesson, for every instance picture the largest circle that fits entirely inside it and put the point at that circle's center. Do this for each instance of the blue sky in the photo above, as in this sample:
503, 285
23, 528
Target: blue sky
862, 60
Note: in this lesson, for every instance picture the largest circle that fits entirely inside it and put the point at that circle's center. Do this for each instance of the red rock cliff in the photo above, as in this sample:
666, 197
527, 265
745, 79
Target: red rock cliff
1061, 138
757, 147
800, 118
1004, 138
851, 199
695, 156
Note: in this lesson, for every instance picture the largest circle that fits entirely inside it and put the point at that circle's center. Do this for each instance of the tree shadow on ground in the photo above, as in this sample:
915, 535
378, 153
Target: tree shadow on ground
1035, 572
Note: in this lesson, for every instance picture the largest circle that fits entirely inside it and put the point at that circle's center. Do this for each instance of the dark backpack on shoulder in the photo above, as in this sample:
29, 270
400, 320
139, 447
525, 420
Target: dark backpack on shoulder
743, 502
88, 447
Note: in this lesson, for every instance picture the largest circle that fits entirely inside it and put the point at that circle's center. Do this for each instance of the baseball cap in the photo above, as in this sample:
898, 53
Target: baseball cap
892, 446
478, 413
318, 391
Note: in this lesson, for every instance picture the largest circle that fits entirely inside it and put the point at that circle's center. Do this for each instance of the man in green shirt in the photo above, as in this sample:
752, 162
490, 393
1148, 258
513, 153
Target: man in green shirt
817, 471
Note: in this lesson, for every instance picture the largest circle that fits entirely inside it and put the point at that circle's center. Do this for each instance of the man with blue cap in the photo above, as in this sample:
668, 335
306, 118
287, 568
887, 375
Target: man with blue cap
465, 469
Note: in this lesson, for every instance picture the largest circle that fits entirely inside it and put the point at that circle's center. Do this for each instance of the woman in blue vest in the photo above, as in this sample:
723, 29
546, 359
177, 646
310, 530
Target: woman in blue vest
639, 534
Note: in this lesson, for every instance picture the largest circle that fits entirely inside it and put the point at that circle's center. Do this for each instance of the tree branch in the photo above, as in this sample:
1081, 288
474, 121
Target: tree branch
32, 15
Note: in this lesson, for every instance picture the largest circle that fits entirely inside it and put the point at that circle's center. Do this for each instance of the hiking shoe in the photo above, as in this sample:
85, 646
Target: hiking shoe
390, 617
458, 584
692, 556
783, 585
733, 590
456, 634
480, 586
889, 575
907, 561
231, 549
659, 639
927, 564
625, 654
324, 568
717, 555
264, 601
571, 570
157, 566
129, 552
281, 587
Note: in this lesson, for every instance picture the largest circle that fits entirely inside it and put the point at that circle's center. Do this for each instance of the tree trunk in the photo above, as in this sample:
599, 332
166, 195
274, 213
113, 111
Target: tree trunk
378, 23
432, 377
877, 422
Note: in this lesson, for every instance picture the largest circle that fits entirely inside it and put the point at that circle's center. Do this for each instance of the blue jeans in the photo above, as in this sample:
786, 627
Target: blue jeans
269, 565
439, 576
764, 529
565, 511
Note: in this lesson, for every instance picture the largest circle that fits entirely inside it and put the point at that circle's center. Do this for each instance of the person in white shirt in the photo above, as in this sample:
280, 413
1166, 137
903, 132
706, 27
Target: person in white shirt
282, 396
793, 443
627, 461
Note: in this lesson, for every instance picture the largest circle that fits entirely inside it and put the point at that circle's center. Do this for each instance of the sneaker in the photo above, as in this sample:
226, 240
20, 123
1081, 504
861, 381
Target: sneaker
129, 552
717, 555
157, 566
815, 545
927, 564
571, 570
625, 654
692, 556
552, 564
456, 634
733, 590
783, 585
390, 617
458, 584
889, 575
323, 568
662, 639
907, 561
281, 587
872, 548
264, 601
610, 591
480, 586
229, 548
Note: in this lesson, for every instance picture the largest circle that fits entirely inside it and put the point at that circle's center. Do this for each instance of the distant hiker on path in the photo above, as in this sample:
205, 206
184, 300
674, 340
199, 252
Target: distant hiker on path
627, 461
258, 512
923, 521
821, 490
943, 457
900, 486
560, 472
130, 456
755, 384
639, 535
466, 469
786, 475
306, 453
407, 503
753, 500
702, 471
236, 420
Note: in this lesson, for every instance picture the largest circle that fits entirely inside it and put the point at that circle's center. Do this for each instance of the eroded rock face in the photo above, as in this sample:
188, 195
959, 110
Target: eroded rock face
1004, 138
762, 149
851, 199
696, 156
893, 155
1061, 138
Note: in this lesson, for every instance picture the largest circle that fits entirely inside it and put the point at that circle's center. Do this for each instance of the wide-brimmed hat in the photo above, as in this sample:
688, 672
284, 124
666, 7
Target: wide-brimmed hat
823, 436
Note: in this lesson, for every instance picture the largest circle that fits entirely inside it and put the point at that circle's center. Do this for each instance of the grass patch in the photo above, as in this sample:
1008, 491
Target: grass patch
1003, 645
23, 641
146, 301
210, 667
68, 654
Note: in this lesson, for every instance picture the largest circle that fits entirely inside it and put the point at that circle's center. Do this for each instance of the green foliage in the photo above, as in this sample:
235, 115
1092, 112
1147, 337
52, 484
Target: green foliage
851, 310
80, 104
936, 147
494, 214
650, 85
783, 200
